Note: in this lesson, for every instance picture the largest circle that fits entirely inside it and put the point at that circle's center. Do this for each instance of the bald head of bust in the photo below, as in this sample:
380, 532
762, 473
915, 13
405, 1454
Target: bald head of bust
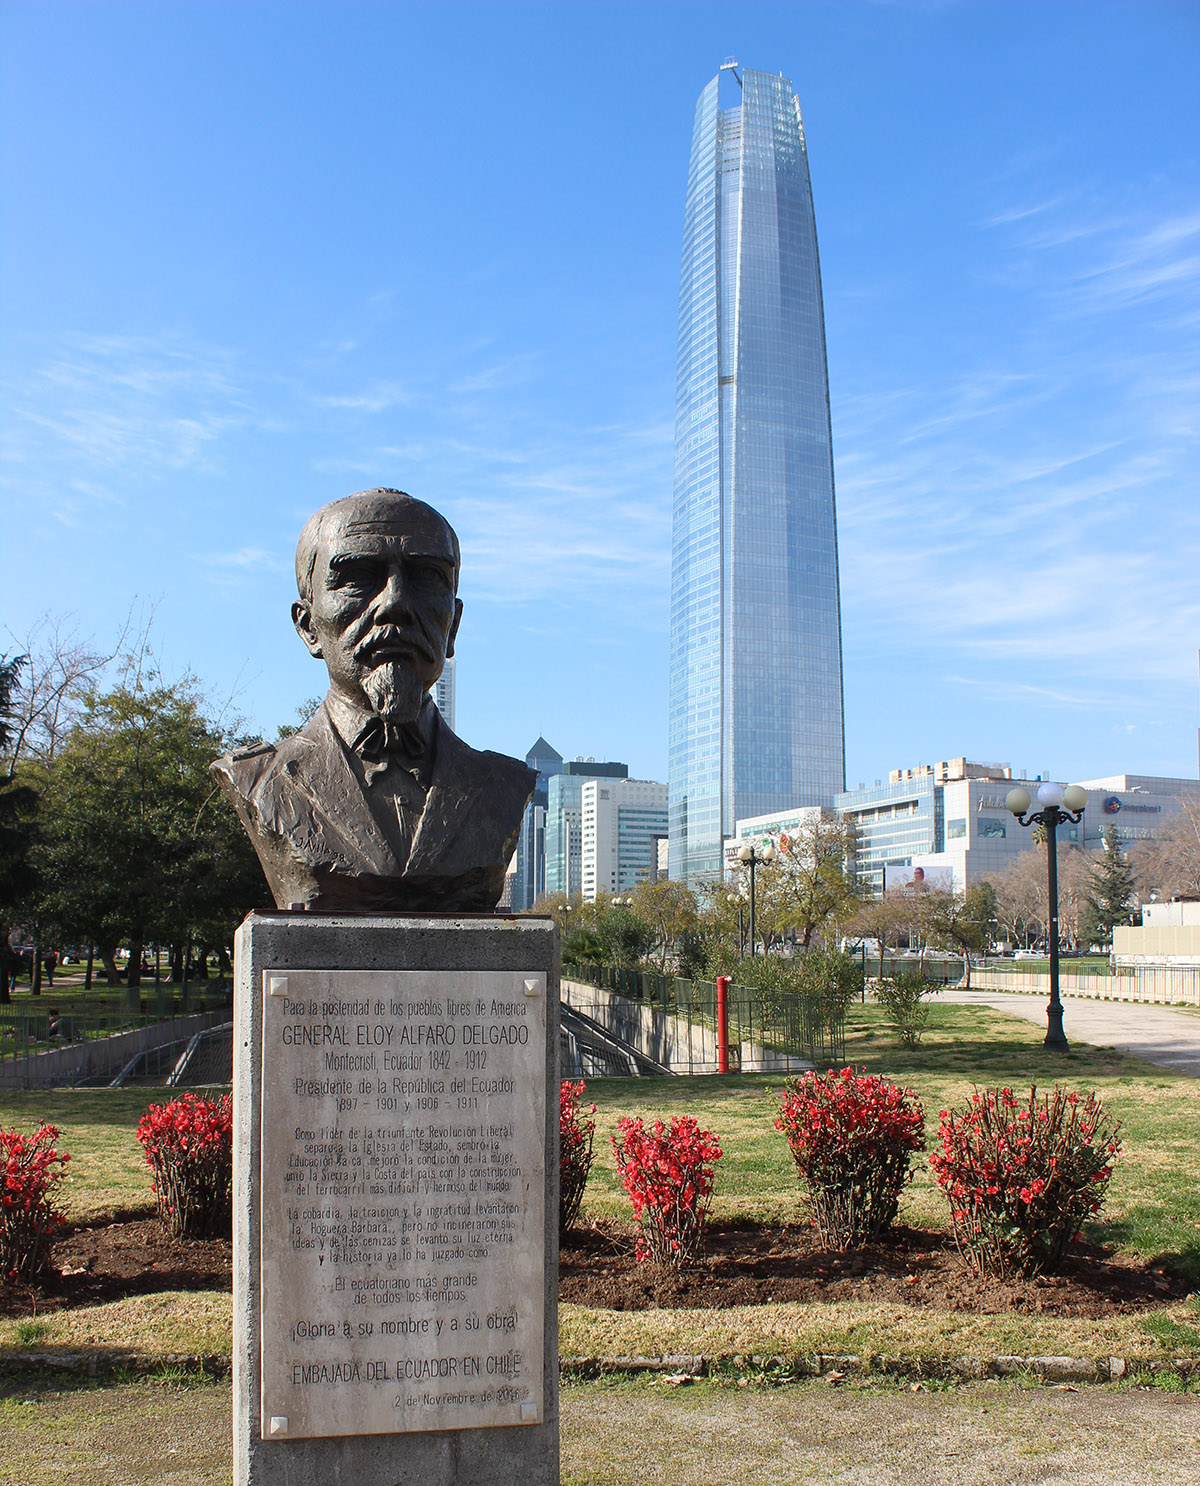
377, 579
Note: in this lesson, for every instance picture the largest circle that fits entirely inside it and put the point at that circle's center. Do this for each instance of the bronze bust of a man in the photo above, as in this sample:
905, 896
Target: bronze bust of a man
375, 805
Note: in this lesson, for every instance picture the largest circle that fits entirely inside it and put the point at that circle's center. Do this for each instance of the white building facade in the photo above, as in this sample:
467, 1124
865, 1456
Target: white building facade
950, 820
778, 827
621, 821
443, 693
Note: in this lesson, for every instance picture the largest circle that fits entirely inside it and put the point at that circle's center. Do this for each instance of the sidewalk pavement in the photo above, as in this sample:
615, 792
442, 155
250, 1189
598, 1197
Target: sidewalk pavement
1171, 1039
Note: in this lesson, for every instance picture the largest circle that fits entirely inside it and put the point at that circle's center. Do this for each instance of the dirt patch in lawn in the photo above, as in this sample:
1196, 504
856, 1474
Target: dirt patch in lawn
109, 1261
743, 1264
750, 1265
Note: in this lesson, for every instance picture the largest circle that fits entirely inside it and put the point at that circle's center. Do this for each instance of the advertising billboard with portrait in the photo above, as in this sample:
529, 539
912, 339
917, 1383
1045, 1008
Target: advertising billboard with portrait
918, 877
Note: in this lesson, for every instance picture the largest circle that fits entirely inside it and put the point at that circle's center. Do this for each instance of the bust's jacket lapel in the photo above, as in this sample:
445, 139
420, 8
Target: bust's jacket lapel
460, 776
312, 797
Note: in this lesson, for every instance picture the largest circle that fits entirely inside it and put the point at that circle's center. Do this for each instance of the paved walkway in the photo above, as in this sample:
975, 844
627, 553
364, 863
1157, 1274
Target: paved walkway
1156, 1033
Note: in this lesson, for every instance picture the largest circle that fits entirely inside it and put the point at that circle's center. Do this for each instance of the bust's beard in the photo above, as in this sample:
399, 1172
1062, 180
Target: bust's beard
394, 691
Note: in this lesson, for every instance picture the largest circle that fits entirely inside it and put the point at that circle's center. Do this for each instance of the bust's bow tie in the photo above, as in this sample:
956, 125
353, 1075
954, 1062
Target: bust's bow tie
379, 737
382, 743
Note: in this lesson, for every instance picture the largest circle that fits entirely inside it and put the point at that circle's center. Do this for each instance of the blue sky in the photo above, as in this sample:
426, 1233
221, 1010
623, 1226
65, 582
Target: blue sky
257, 255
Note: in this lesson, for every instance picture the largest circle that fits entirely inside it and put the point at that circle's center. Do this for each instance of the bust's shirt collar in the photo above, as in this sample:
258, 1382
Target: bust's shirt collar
363, 731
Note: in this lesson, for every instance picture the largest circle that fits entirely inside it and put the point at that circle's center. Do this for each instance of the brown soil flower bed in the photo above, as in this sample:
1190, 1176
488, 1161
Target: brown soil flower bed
108, 1261
743, 1265
751, 1265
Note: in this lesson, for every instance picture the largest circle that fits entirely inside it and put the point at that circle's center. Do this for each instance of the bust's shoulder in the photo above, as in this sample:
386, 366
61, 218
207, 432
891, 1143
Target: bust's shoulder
513, 768
246, 770
243, 770
510, 773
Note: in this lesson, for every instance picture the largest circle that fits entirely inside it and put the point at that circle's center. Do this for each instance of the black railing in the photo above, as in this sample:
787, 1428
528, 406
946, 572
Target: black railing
764, 1023
38, 1024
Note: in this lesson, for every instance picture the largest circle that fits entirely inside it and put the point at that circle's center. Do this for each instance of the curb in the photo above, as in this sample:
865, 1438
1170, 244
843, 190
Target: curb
823, 1364
217, 1366
87, 1364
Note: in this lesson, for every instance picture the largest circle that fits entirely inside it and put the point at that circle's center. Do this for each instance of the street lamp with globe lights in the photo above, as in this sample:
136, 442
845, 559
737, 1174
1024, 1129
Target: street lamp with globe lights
751, 859
736, 900
1058, 804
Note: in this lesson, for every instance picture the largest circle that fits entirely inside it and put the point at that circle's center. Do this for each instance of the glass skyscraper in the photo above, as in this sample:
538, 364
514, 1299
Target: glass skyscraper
756, 648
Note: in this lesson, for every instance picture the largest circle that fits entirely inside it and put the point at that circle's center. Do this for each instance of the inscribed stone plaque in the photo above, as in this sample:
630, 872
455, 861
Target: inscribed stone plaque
403, 1193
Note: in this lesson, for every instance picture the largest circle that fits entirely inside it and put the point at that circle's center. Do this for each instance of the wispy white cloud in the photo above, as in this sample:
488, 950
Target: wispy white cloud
1034, 518
241, 568
1114, 259
1023, 211
373, 399
242, 557
101, 410
507, 373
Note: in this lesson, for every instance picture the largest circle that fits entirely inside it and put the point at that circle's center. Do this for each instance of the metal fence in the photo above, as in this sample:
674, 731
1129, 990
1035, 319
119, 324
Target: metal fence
944, 969
42, 1037
1159, 985
675, 1020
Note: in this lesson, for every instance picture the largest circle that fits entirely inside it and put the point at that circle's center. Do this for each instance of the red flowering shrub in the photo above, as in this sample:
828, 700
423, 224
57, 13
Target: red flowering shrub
1022, 1176
189, 1147
851, 1136
29, 1219
575, 1134
669, 1177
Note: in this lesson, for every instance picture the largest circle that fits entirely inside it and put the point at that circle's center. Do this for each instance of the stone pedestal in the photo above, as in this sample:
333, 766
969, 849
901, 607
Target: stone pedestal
396, 1201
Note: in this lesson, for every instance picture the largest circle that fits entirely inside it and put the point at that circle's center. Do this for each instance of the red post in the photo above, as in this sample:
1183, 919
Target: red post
722, 1024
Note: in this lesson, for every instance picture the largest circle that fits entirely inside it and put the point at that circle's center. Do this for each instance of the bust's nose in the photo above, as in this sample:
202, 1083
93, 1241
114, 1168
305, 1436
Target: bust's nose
393, 599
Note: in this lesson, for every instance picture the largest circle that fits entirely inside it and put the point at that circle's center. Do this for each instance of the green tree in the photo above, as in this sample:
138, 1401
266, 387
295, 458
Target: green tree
963, 922
669, 908
625, 937
720, 917
809, 885
137, 844
1108, 894
566, 909
18, 805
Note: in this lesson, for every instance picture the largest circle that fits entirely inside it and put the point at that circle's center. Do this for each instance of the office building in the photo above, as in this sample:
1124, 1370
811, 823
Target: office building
756, 654
1136, 806
564, 821
782, 828
621, 820
529, 880
443, 693
950, 821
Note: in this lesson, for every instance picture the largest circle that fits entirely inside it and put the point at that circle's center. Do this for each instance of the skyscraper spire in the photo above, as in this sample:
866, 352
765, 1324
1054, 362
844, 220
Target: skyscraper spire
756, 657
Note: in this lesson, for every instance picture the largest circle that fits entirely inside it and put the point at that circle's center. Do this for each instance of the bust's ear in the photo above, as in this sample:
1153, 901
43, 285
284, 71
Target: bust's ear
453, 628
302, 619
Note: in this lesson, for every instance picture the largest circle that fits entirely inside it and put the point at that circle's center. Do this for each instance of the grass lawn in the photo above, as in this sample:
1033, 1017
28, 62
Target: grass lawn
1092, 965
107, 1173
1153, 1209
1154, 1202
633, 1432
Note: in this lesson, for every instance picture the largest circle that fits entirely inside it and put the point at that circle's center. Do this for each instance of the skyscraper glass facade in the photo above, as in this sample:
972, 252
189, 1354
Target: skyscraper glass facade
756, 651
529, 882
564, 821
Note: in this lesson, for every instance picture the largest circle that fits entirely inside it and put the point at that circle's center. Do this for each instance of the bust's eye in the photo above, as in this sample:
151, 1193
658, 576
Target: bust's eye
431, 574
354, 573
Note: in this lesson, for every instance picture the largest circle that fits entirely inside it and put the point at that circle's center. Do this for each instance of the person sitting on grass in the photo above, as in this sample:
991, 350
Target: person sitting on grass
58, 1027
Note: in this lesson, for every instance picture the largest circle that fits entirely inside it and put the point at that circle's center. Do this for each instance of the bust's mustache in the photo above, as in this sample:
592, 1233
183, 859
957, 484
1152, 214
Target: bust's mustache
387, 641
